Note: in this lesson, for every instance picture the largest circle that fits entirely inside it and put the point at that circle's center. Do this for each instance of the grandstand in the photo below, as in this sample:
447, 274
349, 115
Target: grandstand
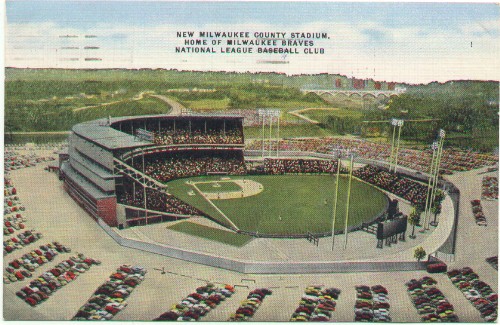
109, 162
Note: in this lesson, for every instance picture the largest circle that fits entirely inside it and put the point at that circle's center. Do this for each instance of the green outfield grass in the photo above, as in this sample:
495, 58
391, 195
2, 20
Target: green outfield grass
290, 204
224, 187
322, 115
219, 235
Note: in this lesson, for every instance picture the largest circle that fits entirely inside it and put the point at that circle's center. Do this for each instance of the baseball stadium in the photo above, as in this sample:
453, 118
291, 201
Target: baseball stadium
189, 197
351, 178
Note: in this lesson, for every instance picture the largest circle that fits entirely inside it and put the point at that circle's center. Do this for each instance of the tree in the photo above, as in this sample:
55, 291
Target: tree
436, 209
419, 253
414, 219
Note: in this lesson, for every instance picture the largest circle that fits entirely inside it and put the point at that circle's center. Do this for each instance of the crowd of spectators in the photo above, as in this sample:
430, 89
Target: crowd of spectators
156, 200
430, 302
40, 289
298, 166
401, 186
198, 303
479, 293
317, 304
110, 298
372, 304
183, 136
172, 167
453, 159
490, 188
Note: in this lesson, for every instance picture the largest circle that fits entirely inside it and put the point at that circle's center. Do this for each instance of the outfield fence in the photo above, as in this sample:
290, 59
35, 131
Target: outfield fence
249, 267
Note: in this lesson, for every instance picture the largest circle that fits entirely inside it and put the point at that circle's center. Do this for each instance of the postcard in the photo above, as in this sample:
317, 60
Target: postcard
251, 161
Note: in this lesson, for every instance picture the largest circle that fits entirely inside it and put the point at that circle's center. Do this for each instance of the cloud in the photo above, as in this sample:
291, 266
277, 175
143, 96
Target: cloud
366, 50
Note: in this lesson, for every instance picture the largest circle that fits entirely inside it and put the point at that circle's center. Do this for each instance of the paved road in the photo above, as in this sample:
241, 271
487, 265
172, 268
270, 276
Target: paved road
177, 108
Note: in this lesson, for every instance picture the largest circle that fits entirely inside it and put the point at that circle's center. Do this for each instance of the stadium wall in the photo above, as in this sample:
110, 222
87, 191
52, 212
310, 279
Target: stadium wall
262, 267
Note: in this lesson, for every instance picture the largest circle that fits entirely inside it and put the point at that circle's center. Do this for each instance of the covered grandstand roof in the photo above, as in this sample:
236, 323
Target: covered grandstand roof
103, 134
99, 132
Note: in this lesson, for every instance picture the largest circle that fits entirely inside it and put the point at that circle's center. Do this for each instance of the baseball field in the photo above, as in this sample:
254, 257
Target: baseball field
285, 204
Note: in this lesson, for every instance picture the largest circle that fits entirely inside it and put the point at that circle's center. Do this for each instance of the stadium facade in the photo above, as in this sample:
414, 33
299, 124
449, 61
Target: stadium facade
102, 154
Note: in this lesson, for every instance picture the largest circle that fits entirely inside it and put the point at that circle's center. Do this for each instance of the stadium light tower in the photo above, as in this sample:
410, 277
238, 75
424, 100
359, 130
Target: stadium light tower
430, 184
335, 201
394, 123
442, 135
400, 124
348, 200
262, 115
272, 113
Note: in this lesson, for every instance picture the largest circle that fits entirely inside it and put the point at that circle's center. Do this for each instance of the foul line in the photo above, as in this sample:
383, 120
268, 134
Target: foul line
213, 205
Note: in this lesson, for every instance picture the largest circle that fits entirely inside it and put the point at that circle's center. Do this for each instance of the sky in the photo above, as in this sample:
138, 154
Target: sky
404, 42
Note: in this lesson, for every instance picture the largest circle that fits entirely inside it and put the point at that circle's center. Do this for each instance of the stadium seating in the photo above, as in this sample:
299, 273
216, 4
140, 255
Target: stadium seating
298, 166
454, 159
184, 136
406, 188
156, 200
166, 168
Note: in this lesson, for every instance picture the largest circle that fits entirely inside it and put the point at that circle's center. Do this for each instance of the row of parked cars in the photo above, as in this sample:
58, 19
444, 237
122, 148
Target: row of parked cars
11, 203
198, 303
110, 297
317, 304
13, 223
32, 260
493, 261
480, 294
372, 304
21, 240
490, 188
477, 211
250, 305
14, 160
430, 302
40, 289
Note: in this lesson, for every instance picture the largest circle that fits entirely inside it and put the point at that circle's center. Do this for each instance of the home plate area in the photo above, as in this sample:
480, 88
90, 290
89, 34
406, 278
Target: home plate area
228, 188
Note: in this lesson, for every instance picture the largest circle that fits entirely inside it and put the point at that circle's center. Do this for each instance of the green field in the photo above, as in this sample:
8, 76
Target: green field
219, 235
290, 204
322, 115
